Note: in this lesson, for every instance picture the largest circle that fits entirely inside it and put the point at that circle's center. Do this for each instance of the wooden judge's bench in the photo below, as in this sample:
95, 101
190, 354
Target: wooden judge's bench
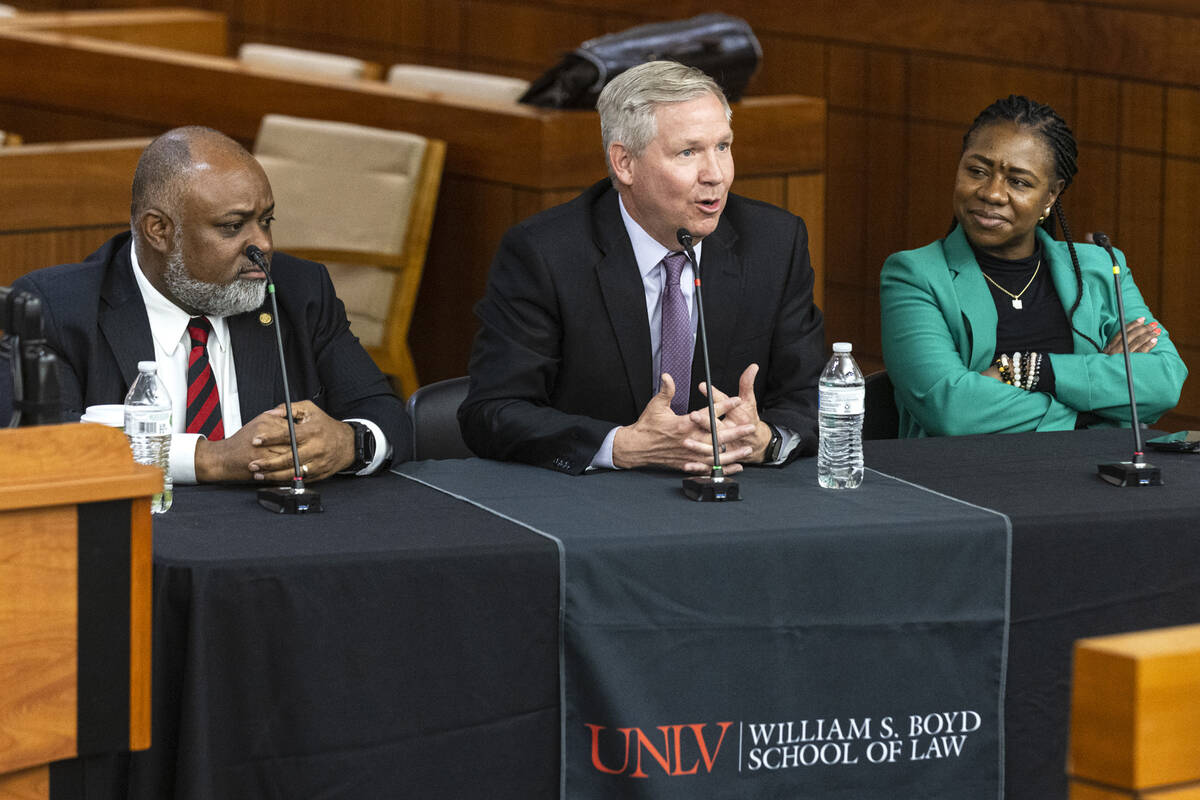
75, 579
504, 161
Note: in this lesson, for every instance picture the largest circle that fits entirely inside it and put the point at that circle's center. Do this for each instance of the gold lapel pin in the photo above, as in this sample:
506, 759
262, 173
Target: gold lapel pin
264, 318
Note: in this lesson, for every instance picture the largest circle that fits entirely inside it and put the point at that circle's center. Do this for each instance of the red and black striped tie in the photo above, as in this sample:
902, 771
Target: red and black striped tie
203, 402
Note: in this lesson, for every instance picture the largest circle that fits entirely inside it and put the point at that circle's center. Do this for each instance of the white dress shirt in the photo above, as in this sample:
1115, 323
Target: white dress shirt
172, 346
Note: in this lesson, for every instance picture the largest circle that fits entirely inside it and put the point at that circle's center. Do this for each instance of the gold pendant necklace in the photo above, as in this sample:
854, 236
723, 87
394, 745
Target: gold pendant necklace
1016, 298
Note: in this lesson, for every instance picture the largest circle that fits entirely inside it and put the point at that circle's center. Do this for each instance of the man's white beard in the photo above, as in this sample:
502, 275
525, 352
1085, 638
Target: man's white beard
211, 299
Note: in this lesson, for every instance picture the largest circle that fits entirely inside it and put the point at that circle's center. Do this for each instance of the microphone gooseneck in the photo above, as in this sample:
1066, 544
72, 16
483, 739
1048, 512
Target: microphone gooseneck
716, 486
296, 499
1103, 240
685, 239
1135, 472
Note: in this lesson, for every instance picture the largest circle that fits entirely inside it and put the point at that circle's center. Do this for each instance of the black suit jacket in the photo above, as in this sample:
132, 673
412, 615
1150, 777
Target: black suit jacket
563, 352
96, 323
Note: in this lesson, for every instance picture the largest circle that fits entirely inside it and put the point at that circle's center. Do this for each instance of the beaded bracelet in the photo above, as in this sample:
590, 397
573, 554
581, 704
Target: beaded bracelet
1002, 364
1033, 367
1020, 369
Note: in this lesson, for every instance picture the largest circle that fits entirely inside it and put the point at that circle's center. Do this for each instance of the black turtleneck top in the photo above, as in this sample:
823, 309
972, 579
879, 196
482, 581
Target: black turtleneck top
1041, 324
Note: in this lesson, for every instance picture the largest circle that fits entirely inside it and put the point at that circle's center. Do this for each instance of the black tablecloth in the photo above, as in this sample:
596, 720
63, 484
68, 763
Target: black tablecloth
1088, 559
400, 639
282, 671
762, 622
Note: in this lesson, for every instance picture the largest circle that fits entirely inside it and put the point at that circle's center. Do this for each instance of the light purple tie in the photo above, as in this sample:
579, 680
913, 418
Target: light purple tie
676, 338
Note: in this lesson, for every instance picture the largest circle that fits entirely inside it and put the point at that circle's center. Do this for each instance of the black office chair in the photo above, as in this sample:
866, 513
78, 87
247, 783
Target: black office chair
434, 412
881, 420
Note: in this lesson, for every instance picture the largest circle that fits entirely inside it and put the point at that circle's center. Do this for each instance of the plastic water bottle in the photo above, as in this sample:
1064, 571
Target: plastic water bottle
148, 426
840, 413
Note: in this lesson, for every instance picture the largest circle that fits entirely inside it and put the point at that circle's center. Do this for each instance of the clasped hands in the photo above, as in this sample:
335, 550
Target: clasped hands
662, 438
262, 451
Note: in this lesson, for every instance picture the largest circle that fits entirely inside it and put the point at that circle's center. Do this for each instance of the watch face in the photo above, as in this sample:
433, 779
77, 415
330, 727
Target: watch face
364, 446
774, 445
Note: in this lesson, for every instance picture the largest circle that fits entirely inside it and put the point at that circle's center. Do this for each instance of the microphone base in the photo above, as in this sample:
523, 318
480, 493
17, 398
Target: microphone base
286, 500
1130, 473
711, 490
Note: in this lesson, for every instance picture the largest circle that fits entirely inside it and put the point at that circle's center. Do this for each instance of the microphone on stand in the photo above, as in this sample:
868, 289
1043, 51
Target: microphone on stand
715, 487
294, 499
1135, 472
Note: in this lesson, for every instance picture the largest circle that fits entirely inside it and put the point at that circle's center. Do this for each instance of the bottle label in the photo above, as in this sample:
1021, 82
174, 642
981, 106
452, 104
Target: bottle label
145, 423
841, 400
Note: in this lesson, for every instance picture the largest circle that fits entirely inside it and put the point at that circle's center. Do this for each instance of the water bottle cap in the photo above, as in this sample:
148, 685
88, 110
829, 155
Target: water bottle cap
842, 347
147, 366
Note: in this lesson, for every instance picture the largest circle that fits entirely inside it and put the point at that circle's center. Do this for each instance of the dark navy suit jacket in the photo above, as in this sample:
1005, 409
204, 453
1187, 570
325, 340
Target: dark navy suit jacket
563, 352
96, 323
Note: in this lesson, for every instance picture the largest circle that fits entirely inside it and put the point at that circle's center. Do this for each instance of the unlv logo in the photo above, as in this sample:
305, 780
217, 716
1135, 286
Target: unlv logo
680, 750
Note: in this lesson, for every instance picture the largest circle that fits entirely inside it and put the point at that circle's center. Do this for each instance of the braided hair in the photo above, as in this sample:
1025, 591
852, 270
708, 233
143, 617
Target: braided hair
1054, 131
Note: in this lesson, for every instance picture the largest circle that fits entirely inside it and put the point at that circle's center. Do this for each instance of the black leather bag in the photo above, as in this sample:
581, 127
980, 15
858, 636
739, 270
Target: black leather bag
722, 46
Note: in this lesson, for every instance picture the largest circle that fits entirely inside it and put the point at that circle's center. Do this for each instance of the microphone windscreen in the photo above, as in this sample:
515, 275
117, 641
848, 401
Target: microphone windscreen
1102, 239
254, 254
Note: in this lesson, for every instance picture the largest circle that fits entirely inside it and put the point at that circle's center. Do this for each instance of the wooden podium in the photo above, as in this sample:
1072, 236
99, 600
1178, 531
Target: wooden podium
75, 593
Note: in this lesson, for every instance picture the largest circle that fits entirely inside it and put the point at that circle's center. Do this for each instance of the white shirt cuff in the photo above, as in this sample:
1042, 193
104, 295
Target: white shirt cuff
603, 457
383, 448
182, 465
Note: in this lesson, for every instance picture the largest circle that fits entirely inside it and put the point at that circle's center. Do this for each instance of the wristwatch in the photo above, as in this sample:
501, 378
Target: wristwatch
771, 454
364, 447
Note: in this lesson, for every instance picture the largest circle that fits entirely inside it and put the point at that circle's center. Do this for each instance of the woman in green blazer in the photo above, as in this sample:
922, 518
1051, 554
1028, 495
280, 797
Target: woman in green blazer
999, 328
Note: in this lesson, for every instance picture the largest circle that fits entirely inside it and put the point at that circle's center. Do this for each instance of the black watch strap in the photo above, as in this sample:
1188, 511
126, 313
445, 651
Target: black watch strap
771, 454
364, 446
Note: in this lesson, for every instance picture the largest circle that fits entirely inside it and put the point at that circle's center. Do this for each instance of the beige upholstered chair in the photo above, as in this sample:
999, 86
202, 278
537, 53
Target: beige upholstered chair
479, 85
308, 61
361, 201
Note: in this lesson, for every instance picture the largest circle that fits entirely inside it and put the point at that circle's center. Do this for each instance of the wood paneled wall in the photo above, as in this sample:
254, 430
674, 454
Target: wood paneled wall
902, 81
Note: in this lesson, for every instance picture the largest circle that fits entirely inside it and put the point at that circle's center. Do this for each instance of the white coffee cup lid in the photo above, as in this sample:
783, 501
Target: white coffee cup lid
111, 414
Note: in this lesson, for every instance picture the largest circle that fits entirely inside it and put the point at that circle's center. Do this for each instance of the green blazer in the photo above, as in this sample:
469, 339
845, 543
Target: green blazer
939, 334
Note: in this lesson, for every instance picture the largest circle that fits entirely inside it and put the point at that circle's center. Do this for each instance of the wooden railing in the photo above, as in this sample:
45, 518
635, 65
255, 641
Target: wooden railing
184, 29
59, 202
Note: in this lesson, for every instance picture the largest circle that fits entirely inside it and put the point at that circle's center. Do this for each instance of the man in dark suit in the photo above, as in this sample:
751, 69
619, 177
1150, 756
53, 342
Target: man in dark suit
180, 290
578, 362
